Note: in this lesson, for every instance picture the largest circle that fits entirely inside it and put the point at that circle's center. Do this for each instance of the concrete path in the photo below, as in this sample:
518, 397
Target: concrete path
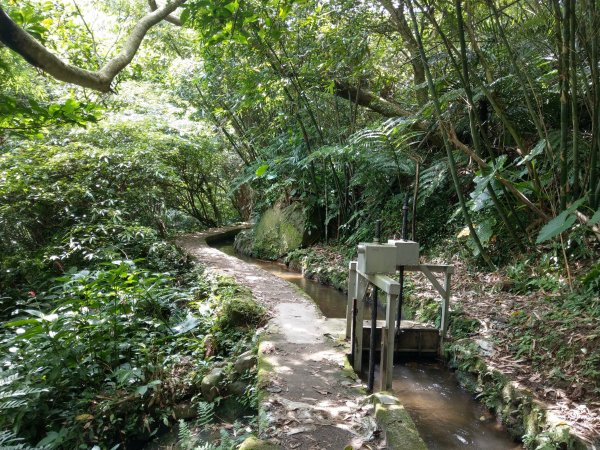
312, 400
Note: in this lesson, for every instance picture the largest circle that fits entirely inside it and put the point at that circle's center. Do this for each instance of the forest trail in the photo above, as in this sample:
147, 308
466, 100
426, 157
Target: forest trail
312, 400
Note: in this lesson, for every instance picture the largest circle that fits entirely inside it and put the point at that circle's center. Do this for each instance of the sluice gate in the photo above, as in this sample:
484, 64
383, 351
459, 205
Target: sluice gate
367, 276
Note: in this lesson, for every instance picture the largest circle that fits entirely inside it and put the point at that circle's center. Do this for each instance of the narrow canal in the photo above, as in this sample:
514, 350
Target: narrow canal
446, 416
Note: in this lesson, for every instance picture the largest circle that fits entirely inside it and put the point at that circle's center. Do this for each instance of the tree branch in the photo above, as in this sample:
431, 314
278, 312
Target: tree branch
171, 19
369, 100
39, 56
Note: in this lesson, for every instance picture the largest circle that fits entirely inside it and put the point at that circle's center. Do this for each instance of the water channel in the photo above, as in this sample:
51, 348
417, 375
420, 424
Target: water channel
446, 416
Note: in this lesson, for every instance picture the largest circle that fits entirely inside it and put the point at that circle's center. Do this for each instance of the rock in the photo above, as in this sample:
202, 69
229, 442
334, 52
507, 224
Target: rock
210, 384
184, 411
245, 361
279, 230
486, 346
237, 388
253, 443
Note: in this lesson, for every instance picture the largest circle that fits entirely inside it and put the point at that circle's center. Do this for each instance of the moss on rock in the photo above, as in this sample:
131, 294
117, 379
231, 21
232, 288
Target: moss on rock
400, 430
524, 416
253, 443
278, 231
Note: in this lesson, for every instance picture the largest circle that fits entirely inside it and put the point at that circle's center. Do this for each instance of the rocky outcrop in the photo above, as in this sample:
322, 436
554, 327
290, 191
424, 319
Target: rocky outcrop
279, 230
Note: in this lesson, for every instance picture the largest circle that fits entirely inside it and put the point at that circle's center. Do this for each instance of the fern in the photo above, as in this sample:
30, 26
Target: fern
10, 441
12, 395
227, 442
185, 435
431, 179
6, 380
207, 446
206, 414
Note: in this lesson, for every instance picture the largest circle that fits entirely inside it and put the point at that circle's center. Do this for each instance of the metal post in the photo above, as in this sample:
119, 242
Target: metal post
361, 291
371, 379
400, 298
445, 306
386, 367
401, 268
384, 375
404, 216
351, 296
353, 330
377, 232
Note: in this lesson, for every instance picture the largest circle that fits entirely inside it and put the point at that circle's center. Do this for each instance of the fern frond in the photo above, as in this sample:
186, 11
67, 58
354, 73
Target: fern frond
227, 442
431, 179
12, 404
206, 414
20, 393
6, 380
207, 446
184, 435
10, 441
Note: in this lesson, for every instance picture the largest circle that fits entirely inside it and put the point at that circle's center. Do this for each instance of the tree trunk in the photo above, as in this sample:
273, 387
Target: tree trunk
411, 44
39, 56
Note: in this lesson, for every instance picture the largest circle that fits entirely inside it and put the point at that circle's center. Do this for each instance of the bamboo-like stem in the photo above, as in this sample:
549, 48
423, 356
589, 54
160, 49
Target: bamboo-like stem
463, 74
595, 147
574, 112
451, 162
473, 122
564, 18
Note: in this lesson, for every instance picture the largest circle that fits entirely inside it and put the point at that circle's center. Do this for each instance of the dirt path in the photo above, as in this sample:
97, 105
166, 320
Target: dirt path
311, 401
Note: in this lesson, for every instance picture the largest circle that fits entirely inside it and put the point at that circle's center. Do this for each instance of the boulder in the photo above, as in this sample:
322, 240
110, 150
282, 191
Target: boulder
185, 411
237, 388
210, 384
279, 231
245, 361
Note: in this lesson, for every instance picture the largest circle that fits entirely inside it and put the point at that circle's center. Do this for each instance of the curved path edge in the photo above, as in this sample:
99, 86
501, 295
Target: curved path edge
310, 398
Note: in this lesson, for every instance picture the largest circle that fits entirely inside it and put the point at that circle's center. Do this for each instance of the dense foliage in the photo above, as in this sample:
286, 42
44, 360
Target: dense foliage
482, 117
466, 119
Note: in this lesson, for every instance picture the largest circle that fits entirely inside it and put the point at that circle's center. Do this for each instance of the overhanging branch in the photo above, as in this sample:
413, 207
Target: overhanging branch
369, 100
39, 56
170, 18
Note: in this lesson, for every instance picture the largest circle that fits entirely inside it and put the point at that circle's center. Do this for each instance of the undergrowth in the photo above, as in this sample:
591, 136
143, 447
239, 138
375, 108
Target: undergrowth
100, 356
560, 336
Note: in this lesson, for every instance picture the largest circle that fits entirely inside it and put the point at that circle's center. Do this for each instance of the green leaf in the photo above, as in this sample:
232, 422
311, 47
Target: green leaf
595, 218
141, 390
560, 223
185, 16
21, 322
240, 38
535, 151
284, 11
261, 170
232, 7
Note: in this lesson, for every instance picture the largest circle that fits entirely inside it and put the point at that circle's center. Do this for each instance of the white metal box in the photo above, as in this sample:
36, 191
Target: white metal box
408, 252
385, 258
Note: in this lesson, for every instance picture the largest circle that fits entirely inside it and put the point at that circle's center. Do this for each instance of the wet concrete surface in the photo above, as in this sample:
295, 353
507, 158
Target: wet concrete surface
446, 416
309, 402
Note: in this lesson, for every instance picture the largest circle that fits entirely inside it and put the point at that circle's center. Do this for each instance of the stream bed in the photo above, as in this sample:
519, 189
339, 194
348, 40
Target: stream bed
446, 416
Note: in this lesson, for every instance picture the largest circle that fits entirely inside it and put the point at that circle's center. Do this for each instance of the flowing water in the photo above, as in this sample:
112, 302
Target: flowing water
446, 416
